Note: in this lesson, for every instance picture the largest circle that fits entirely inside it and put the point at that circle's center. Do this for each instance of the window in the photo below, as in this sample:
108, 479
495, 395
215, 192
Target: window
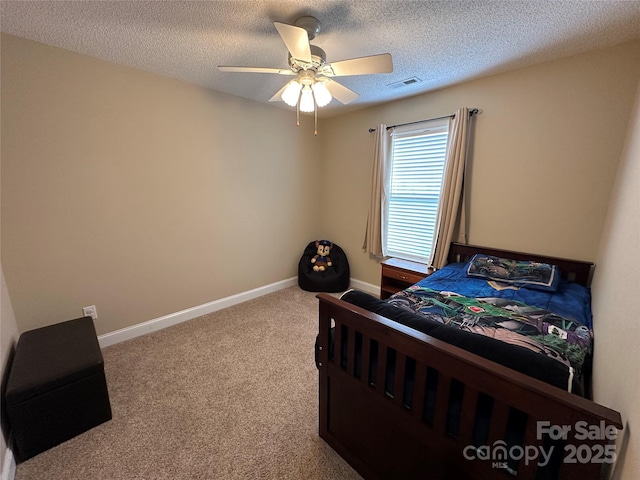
415, 181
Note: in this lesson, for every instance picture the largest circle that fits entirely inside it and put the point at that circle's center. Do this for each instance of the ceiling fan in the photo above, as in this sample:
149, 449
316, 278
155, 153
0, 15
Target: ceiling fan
313, 86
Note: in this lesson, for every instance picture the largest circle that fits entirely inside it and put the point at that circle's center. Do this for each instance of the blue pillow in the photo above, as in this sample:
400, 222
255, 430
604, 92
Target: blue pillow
519, 273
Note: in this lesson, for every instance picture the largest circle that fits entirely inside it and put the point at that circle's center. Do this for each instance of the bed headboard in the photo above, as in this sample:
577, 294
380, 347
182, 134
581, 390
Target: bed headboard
575, 270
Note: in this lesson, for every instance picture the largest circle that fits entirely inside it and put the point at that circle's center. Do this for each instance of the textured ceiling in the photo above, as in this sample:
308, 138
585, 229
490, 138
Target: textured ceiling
438, 42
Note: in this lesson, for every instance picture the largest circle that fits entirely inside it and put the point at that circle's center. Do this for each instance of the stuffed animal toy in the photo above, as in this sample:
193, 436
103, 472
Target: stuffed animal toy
321, 261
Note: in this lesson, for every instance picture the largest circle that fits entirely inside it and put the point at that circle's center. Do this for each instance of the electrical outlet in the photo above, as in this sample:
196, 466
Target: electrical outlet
91, 311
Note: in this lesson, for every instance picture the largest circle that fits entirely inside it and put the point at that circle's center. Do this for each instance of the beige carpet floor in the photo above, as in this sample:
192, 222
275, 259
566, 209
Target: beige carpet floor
230, 395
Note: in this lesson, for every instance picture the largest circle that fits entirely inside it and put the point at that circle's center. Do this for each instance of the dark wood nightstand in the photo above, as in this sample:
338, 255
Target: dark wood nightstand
399, 274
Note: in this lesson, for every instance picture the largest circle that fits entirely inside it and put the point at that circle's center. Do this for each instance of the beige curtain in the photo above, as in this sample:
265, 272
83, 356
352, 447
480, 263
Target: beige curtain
451, 211
373, 235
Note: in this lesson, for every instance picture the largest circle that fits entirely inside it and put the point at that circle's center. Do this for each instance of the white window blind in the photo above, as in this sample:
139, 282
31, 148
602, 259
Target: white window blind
417, 165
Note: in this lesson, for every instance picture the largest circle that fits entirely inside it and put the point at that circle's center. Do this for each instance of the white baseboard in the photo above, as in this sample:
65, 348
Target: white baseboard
366, 287
8, 465
190, 313
156, 324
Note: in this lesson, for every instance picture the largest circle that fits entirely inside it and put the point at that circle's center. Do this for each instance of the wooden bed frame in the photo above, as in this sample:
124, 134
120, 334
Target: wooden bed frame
372, 427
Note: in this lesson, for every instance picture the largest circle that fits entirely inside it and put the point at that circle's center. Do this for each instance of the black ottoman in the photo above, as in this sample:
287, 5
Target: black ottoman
56, 387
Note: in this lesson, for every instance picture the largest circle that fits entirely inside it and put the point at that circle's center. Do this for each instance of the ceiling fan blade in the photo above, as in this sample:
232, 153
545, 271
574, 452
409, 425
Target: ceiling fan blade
360, 66
278, 96
280, 71
340, 92
297, 41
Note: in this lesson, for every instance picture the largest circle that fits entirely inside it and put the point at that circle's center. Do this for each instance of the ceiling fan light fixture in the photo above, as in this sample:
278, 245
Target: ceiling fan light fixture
291, 94
307, 103
312, 88
321, 93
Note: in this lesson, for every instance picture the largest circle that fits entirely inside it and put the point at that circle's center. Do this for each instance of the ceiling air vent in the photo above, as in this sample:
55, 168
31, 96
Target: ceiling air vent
404, 83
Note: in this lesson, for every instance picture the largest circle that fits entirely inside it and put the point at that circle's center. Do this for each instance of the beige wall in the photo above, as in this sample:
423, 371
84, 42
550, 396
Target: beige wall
545, 154
140, 194
616, 285
8, 339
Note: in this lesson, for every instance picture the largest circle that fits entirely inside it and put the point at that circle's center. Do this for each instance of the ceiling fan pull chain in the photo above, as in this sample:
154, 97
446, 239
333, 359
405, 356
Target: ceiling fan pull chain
298, 109
315, 114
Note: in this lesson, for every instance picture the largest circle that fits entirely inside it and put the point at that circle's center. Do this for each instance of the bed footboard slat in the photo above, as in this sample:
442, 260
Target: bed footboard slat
382, 369
337, 339
528, 467
399, 379
417, 403
442, 402
499, 419
468, 415
366, 352
351, 352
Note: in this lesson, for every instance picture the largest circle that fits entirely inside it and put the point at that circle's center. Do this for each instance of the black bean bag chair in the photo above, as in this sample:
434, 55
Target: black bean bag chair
334, 279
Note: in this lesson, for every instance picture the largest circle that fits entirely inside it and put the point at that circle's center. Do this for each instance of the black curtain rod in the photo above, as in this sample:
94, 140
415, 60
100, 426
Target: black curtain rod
472, 112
